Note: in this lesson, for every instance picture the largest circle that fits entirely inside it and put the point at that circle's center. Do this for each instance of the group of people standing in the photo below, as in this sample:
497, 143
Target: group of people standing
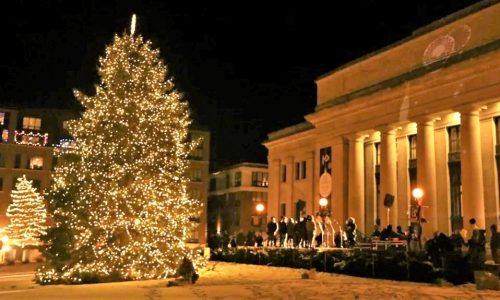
309, 232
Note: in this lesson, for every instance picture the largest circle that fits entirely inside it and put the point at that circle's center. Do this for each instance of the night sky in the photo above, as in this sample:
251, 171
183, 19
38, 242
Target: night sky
246, 68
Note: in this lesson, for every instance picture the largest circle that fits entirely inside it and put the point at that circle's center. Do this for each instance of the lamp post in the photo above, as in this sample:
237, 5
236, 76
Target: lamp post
418, 193
259, 208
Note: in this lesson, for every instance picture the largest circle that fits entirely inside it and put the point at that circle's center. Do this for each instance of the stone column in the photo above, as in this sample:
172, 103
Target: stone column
339, 181
388, 175
471, 172
356, 205
426, 174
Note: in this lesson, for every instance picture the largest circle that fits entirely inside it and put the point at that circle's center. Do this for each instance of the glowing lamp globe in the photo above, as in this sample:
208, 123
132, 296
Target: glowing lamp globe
323, 202
417, 193
259, 207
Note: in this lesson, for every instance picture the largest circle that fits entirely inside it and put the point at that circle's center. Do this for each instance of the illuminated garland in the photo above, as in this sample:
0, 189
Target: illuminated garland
125, 200
33, 139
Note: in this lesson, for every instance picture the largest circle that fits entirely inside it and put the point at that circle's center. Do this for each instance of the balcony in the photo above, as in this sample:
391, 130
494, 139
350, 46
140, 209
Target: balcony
31, 138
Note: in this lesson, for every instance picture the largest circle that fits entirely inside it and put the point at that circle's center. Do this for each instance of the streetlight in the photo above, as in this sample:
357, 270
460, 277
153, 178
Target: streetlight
323, 202
259, 208
417, 194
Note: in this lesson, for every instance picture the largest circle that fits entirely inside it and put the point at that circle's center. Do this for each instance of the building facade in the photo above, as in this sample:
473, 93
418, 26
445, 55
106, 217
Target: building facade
198, 174
423, 113
234, 195
27, 148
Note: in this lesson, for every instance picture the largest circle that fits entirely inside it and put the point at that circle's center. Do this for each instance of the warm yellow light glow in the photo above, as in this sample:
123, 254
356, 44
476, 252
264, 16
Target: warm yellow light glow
122, 192
417, 193
132, 24
456, 117
27, 214
323, 202
6, 248
259, 207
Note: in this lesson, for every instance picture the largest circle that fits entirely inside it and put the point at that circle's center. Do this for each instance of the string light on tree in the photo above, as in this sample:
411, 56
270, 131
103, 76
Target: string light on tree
121, 201
27, 213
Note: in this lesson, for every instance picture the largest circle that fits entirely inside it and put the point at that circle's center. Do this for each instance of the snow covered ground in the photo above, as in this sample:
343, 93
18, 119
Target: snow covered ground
236, 281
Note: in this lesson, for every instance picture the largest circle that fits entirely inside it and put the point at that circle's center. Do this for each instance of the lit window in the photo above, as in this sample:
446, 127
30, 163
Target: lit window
32, 123
2, 118
5, 135
196, 174
413, 146
260, 179
36, 163
237, 179
454, 138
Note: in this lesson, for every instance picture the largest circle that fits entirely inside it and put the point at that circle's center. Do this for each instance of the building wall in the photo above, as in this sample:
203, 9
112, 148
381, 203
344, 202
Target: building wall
232, 204
385, 99
51, 123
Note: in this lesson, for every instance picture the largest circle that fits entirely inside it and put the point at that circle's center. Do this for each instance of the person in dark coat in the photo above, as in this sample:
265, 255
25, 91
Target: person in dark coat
300, 232
495, 244
250, 238
290, 232
272, 228
282, 230
309, 231
259, 239
350, 229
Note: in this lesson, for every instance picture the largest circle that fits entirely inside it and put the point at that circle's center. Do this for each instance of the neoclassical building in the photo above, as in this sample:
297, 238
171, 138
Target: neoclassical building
423, 112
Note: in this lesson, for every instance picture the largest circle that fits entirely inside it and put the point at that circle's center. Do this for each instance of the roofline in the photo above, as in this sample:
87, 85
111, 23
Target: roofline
410, 75
419, 32
288, 131
243, 164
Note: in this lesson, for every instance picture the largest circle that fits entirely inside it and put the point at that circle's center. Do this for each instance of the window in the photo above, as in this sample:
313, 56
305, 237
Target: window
303, 170
197, 153
1, 183
283, 173
32, 123
228, 181
283, 209
297, 171
195, 194
454, 139
377, 154
55, 159
196, 174
213, 184
14, 181
413, 146
2, 118
259, 197
36, 163
37, 184
17, 161
5, 136
237, 179
2, 160
259, 179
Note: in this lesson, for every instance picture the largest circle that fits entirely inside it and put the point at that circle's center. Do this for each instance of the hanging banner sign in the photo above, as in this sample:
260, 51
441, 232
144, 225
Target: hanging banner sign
325, 171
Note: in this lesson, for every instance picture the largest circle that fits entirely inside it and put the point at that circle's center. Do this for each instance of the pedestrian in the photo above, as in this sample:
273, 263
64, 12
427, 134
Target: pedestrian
272, 229
495, 244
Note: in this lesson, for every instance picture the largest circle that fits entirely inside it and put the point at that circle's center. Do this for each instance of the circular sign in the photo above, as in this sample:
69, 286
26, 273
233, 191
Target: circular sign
325, 184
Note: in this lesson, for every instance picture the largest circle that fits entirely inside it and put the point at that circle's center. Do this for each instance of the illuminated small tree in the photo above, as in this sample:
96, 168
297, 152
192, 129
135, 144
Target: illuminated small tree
27, 213
121, 201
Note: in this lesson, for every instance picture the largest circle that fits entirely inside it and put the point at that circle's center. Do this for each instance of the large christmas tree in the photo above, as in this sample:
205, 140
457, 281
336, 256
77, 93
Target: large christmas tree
27, 213
119, 200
